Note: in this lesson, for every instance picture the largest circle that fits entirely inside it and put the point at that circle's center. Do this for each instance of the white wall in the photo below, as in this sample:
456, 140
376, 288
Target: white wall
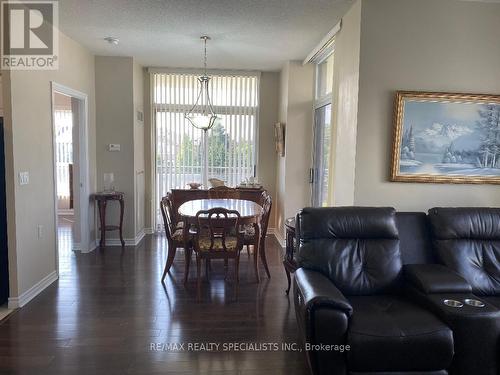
296, 101
28, 138
421, 45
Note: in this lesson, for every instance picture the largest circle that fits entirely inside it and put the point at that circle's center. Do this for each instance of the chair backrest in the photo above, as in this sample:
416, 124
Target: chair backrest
180, 196
167, 213
356, 247
266, 203
223, 192
467, 240
217, 224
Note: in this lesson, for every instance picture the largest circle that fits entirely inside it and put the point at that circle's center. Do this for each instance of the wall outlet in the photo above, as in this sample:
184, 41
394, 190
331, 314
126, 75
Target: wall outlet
24, 178
40, 231
114, 147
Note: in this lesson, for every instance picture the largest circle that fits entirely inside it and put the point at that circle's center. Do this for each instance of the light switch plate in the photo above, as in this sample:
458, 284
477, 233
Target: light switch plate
24, 178
113, 147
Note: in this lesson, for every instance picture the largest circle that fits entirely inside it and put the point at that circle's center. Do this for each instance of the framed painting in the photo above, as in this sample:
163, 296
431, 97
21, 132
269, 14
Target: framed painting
446, 138
279, 138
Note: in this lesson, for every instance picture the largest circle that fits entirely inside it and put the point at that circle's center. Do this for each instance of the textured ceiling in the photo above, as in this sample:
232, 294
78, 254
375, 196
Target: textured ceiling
246, 34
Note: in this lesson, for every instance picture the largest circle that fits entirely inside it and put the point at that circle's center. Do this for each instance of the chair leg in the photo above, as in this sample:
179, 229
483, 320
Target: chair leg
226, 267
187, 259
237, 264
262, 251
198, 270
207, 268
170, 259
248, 251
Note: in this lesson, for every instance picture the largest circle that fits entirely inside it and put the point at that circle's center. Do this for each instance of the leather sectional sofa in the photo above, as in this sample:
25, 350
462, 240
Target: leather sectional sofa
372, 284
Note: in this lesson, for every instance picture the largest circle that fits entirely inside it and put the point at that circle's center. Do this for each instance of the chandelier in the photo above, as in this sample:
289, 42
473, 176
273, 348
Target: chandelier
202, 115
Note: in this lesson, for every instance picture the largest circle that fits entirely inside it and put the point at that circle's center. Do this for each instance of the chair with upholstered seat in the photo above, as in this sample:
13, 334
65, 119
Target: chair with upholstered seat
217, 236
174, 231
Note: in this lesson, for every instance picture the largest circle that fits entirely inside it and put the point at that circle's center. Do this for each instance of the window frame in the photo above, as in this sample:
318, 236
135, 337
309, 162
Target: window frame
155, 108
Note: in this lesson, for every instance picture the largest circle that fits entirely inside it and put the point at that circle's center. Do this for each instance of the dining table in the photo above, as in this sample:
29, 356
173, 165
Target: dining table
250, 214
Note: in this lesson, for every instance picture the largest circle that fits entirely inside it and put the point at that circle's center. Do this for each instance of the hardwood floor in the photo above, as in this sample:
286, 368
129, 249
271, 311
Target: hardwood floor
108, 308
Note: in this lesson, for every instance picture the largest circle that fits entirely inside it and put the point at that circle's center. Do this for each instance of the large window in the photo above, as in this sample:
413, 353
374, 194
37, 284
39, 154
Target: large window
231, 143
322, 131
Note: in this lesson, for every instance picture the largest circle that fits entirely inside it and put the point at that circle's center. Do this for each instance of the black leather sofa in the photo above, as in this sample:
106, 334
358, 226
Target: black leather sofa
375, 280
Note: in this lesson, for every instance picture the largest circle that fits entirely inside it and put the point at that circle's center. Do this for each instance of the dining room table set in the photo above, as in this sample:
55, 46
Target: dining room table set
216, 223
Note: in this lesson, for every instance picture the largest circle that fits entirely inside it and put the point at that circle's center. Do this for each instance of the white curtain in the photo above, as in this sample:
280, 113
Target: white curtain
231, 144
64, 150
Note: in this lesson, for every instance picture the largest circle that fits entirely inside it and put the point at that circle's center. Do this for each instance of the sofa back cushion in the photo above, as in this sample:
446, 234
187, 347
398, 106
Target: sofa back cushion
415, 238
467, 240
356, 247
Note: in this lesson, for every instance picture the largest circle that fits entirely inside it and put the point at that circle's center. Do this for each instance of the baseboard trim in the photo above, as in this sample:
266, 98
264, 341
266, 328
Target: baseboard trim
65, 212
35, 290
77, 246
149, 231
279, 237
111, 242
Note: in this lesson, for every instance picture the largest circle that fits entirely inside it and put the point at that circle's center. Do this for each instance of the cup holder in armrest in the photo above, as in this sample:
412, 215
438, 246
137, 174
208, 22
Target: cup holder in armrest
453, 303
474, 302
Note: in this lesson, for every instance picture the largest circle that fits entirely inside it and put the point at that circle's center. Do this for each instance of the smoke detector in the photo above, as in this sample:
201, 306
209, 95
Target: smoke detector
112, 40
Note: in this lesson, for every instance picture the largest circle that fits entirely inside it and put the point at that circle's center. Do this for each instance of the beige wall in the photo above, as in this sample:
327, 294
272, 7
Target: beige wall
345, 108
138, 81
119, 95
268, 116
423, 45
28, 132
296, 102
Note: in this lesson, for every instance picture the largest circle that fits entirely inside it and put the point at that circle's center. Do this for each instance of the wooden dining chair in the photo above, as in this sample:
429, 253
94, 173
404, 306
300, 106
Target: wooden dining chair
265, 201
174, 231
217, 236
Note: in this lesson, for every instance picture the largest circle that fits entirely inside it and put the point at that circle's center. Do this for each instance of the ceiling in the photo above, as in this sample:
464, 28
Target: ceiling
246, 34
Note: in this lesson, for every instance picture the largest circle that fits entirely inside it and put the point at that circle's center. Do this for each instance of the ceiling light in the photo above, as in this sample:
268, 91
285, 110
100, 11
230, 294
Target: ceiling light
112, 40
202, 115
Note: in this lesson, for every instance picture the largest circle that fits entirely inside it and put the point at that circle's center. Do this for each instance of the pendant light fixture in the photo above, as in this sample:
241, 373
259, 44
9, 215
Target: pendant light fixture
202, 115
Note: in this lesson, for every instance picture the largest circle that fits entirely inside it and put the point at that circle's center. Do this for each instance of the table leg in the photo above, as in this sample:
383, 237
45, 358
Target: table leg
122, 210
256, 252
187, 250
102, 216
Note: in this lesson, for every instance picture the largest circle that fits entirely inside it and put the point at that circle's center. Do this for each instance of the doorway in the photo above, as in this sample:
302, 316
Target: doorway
71, 199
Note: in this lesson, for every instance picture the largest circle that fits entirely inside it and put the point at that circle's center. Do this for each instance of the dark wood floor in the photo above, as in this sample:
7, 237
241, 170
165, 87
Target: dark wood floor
109, 306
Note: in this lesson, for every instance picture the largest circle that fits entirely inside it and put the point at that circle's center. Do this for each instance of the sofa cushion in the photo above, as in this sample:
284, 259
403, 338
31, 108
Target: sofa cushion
387, 333
468, 241
357, 248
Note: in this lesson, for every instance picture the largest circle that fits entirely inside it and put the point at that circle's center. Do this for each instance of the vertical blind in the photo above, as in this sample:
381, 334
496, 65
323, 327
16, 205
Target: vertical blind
231, 143
63, 120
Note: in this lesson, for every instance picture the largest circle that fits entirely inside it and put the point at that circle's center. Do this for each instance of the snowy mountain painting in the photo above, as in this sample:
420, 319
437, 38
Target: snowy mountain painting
449, 138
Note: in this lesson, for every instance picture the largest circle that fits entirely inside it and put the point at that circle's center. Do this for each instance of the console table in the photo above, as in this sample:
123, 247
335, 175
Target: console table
289, 262
102, 201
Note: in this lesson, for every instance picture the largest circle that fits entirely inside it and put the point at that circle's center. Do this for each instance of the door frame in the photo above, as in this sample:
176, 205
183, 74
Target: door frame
83, 163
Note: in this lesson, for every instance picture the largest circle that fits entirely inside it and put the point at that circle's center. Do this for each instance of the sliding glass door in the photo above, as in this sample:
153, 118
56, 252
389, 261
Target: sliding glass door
321, 157
320, 171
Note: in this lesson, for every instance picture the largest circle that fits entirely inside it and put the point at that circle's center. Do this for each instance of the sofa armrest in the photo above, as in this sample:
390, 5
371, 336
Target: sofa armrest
318, 291
435, 278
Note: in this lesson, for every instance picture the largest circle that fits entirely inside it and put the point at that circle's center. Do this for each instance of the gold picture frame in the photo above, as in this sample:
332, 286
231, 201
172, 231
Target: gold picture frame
446, 138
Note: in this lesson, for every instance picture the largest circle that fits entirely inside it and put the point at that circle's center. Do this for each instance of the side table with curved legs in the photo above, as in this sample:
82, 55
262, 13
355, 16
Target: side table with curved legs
102, 201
